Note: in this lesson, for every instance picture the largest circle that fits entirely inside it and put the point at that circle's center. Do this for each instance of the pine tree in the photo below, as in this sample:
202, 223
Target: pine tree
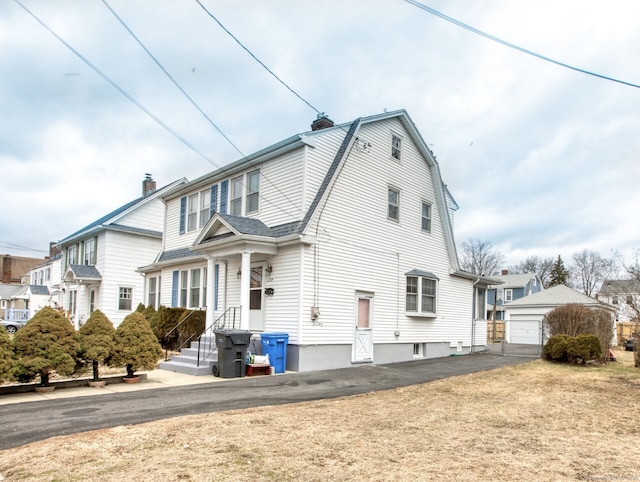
97, 340
7, 357
136, 345
47, 343
559, 275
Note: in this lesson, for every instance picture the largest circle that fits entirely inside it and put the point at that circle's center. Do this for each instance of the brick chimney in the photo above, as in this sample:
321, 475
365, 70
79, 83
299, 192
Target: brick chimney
148, 185
505, 272
322, 122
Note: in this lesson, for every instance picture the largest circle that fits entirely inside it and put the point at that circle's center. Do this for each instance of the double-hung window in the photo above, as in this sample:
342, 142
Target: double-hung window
253, 191
508, 295
205, 202
421, 293
184, 288
194, 301
235, 205
90, 252
393, 204
192, 213
396, 144
426, 217
125, 296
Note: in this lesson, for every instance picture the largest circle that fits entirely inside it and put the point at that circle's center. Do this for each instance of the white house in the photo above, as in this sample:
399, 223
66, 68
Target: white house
340, 237
100, 260
624, 295
524, 317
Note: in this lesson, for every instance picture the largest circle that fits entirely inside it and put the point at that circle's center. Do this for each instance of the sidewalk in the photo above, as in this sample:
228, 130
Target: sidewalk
154, 379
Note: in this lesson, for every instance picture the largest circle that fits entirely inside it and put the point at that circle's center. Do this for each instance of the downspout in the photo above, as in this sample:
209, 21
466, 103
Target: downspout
473, 314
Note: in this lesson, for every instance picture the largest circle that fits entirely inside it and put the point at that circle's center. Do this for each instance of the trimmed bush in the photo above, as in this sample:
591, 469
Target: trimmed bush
136, 345
557, 348
47, 343
573, 349
574, 319
168, 318
97, 340
7, 357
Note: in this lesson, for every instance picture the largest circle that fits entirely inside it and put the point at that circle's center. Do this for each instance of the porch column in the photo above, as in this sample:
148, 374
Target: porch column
82, 303
245, 286
211, 288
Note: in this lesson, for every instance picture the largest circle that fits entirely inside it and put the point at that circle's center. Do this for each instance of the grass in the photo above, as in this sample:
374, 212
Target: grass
535, 421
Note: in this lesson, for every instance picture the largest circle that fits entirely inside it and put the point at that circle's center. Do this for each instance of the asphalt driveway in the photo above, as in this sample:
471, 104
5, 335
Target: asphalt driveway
27, 422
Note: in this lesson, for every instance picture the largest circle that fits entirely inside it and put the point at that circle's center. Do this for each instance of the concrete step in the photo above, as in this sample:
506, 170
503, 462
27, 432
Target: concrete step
186, 368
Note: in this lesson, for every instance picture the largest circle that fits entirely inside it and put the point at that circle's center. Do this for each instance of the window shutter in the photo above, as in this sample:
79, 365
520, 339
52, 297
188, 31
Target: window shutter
183, 214
215, 289
224, 190
213, 204
174, 289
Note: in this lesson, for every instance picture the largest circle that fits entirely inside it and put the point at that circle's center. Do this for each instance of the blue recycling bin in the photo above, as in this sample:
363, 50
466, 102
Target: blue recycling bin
275, 345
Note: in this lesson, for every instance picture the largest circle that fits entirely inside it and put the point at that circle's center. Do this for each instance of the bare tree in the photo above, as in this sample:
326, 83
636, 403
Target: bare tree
480, 257
535, 264
589, 270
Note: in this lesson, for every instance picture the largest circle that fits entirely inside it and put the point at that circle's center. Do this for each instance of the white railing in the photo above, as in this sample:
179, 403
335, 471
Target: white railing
12, 314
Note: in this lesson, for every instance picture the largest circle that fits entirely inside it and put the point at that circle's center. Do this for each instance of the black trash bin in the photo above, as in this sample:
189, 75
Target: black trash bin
232, 352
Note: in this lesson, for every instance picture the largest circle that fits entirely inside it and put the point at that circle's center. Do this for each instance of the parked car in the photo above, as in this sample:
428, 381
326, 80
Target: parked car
12, 326
630, 344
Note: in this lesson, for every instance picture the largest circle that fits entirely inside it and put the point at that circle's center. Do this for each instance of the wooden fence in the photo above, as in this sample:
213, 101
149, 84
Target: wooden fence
624, 331
495, 331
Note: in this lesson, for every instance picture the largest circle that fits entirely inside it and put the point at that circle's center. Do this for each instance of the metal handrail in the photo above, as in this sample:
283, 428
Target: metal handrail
188, 340
209, 345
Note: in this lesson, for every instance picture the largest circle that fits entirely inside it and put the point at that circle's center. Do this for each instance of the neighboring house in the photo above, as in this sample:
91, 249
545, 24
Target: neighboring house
9, 300
523, 317
513, 287
340, 237
15, 267
624, 295
99, 261
48, 275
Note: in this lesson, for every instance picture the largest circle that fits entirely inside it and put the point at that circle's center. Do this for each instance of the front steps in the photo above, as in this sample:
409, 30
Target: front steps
187, 362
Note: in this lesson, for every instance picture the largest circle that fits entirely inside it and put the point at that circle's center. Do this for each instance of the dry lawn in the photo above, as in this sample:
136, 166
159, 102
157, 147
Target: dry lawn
537, 421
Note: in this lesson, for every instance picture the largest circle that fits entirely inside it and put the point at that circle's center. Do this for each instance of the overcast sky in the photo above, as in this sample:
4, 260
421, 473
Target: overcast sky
542, 160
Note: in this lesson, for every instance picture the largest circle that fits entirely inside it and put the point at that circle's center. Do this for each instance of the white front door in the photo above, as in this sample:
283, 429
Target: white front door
256, 298
363, 337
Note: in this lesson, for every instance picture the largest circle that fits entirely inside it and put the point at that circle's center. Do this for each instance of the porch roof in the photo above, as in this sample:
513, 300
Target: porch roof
82, 272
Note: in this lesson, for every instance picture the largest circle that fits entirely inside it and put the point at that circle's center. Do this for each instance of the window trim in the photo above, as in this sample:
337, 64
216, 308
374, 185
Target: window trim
508, 297
250, 193
418, 295
391, 189
120, 298
395, 152
429, 218
204, 207
235, 195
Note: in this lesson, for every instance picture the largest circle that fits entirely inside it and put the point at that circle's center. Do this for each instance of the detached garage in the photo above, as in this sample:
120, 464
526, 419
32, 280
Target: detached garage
523, 317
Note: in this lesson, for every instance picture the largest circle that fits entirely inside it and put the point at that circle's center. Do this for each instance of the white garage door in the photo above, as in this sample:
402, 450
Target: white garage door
524, 331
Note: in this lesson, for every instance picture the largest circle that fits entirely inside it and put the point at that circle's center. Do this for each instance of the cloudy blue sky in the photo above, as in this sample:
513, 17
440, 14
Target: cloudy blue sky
542, 160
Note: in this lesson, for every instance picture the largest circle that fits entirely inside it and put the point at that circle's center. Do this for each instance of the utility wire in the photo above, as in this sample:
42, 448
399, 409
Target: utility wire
257, 59
171, 78
122, 22
513, 46
119, 89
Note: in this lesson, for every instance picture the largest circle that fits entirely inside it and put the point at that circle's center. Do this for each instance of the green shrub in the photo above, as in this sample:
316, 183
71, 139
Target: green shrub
168, 318
47, 343
572, 349
97, 340
136, 345
557, 348
584, 348
7, 357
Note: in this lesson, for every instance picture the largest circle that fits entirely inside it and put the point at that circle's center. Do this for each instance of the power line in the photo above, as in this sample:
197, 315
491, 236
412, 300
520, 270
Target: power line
258, 60
171, 78
513, 46
118, 88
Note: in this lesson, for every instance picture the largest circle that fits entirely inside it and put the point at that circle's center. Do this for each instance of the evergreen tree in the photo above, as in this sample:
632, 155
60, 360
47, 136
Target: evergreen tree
7, 357
136, 345
97, 340
47, 343
559, 274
